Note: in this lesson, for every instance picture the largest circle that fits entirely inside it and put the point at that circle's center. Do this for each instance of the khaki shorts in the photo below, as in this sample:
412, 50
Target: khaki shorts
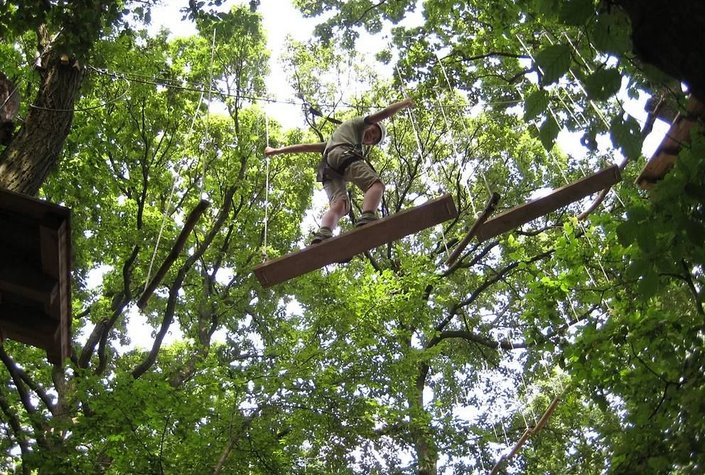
358, 172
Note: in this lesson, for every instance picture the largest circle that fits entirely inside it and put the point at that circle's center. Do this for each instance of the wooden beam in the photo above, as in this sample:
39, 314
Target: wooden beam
678, 135
522, 214
29, 206
28, 283
28, 325
358, 240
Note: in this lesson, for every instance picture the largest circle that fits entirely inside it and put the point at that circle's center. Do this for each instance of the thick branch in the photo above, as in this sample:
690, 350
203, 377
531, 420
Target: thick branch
178, 281
16, 426
475, 338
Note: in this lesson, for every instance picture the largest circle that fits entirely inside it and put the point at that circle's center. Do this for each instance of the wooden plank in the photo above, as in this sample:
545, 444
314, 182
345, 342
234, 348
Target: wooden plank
30, 206
358, 240
515, 217
28, 283
28, 325
665, 155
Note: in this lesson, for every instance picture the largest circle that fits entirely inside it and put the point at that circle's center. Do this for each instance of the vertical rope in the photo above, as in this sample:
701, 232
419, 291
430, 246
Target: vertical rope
171, 193
465, 129
418, 145
266, 191
208, 114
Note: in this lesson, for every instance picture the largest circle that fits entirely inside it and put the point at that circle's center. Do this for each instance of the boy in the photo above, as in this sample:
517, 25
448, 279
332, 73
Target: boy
343, 161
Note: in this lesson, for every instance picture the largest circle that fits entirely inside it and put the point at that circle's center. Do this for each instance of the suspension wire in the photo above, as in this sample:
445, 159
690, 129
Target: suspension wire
206, 136
411, 116
84, 109
467, 133
601, 116
577, 82
457, 154
171, 192
428, 165
266, 192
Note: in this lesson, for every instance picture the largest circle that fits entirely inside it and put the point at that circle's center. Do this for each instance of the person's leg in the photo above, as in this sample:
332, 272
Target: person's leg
365, 178
373, 197
336, 210
338, 206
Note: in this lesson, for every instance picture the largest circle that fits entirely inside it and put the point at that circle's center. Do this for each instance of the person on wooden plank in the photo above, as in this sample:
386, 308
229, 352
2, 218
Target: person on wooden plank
344, 161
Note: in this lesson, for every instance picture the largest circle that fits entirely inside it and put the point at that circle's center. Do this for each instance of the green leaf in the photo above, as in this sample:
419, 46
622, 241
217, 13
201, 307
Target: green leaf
648, 285
535, 104
610, 32
548, 132
546, 7
576, 12
603, 84
554, 62
626, 135
627, 232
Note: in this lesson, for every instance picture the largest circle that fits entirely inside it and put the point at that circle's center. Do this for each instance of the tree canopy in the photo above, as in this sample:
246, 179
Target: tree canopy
395, 362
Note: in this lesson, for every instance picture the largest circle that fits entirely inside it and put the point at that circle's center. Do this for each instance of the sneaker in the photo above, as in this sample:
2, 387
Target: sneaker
365, 218
322, 234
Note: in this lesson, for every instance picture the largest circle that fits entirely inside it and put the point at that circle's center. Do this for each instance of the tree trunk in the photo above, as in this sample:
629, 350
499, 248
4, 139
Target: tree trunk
426, 452
670, 35
34, 151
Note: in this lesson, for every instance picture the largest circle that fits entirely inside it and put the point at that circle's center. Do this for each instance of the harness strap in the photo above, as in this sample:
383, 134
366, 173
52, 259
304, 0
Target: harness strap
352, 157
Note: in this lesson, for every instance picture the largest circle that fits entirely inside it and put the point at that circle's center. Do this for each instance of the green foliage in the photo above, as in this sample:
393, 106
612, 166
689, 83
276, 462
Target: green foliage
553, 61
394, 361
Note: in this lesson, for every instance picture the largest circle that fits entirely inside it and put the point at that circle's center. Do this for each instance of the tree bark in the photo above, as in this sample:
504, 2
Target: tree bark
670, 35
35, 150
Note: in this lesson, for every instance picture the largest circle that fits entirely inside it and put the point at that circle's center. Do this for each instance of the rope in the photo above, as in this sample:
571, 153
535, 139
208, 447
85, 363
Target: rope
465, 129
208, 115
420, 150
266, 192
171, 193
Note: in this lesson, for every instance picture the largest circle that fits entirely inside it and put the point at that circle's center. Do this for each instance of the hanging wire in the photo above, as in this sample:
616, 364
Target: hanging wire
467, 133
411, 116
420, 150
173, 187
266, 192
208, 115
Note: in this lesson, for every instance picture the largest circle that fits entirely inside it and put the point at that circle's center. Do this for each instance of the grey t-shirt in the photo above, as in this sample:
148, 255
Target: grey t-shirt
347, 135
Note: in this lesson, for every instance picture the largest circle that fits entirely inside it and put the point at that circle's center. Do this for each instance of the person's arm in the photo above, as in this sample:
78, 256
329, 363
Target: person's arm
389, 111
297, 148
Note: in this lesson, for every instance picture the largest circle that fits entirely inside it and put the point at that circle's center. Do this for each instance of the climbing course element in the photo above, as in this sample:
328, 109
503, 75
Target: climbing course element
522, 214
35, 274
489, 209
347, 245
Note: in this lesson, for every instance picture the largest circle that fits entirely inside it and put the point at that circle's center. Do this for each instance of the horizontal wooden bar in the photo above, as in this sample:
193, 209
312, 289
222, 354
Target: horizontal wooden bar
665, 155
522, 214
29, 206
356, 241
28, 283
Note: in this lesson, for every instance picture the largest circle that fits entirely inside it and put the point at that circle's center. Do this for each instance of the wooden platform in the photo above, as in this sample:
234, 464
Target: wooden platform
35, 273
515, 217
678, 135
356, 241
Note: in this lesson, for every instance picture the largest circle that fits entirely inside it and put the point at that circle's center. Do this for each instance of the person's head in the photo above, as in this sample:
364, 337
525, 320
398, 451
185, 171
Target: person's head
373, 134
